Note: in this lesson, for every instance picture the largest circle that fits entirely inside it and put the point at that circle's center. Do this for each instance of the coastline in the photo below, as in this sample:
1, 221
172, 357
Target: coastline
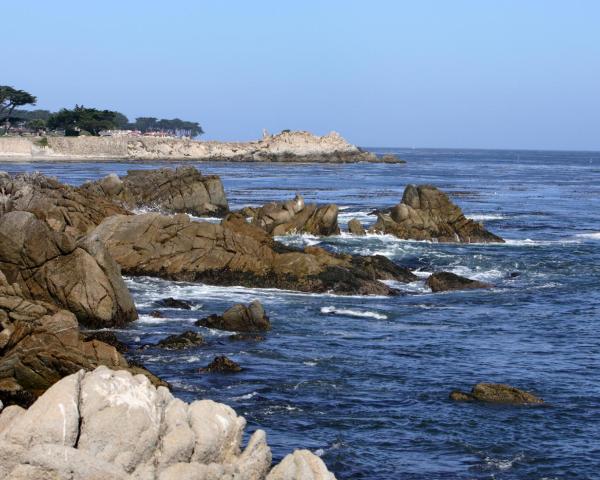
292, 147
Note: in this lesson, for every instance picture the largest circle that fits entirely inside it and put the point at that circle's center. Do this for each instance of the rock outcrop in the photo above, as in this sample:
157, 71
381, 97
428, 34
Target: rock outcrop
64, 208
180, 190
181, 341
221, 364
237, 253
447, 281
239, 318
496, 393
171, 302
284, 147
356, 228
112, 425
50, 266
40, 343
426, 213
294, 216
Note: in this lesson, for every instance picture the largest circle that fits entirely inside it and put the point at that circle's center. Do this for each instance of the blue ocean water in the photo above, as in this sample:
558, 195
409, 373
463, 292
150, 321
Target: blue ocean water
364, 381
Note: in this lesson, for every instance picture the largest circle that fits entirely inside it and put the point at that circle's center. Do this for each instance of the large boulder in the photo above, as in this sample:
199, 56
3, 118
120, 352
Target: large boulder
112, 425
239, 318
237, 253
426, 213
64, 208
180, 190
447, 281
40, 343
294, 216
356, 228
496, 393
78, 276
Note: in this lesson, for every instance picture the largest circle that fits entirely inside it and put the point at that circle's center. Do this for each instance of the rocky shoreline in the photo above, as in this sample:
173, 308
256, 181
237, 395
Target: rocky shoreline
63, 250
297, 146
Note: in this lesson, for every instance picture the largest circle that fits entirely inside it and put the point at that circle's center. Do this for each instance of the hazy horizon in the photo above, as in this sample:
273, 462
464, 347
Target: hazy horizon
464, 74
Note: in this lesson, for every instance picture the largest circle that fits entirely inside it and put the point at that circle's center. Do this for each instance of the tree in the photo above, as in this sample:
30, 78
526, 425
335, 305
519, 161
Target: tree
145, 124
11, 98
121, 121
82, 119
37, 124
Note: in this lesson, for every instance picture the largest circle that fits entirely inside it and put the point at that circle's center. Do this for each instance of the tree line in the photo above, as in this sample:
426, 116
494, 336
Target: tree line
82, 120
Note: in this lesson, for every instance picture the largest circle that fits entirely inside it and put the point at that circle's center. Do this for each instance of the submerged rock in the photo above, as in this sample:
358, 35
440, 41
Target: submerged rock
426, 213
446, 281
237, 253
356, 228
184, 340
174, 303
40, 343
245, 337
239, 318
180, 190
51, 266
294, 216
64, 208
496, 393
221, 364
391, 158
156, 314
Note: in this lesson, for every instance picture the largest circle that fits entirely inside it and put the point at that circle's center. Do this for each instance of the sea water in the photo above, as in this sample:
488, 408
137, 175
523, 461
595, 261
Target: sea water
364, 381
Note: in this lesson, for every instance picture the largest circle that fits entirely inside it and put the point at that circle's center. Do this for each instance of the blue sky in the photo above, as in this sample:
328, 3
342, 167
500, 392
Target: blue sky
480, 74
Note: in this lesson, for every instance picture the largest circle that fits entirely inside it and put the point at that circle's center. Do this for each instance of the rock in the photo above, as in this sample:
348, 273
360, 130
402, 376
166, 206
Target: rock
50, 266
180, 190
390, 158
426, 213
40, 344
111, 425
301, 465
356, 228
184, 340
294, 216
447, 281
496, 393
221, 364
174, 303
64, 208
245, 337
156, 314
237, 253
239, 318
106, 337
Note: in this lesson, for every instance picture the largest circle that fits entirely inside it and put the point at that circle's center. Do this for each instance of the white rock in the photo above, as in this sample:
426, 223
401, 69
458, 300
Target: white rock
53, 418
121, 417
301, 465
218, 432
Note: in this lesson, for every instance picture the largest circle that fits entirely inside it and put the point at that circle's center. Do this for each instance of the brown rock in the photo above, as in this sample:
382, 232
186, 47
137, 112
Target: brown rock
174, 303
40, 343
106, 337
426, 213
236, 253
50, 266
294, 216
239, 318
179, 342
64, 208
496, 393
180, 190
221, 364
446, 281
356, 228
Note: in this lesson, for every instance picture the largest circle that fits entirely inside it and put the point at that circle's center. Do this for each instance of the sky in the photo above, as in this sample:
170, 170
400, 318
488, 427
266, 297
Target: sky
458, 74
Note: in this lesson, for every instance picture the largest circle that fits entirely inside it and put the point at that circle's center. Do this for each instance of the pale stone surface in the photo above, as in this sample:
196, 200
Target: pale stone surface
301, 464
119, 427
287, 146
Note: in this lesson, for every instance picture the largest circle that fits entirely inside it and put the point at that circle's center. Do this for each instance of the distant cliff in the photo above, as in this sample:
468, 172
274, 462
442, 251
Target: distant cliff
283, 147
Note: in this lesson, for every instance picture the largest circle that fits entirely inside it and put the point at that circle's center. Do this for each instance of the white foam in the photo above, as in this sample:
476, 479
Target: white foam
483, 217
331, 310
205, 219
150, 320
590, 236
247, 396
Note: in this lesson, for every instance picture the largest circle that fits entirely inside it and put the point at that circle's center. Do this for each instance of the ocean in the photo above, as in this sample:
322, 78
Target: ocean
364, 381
